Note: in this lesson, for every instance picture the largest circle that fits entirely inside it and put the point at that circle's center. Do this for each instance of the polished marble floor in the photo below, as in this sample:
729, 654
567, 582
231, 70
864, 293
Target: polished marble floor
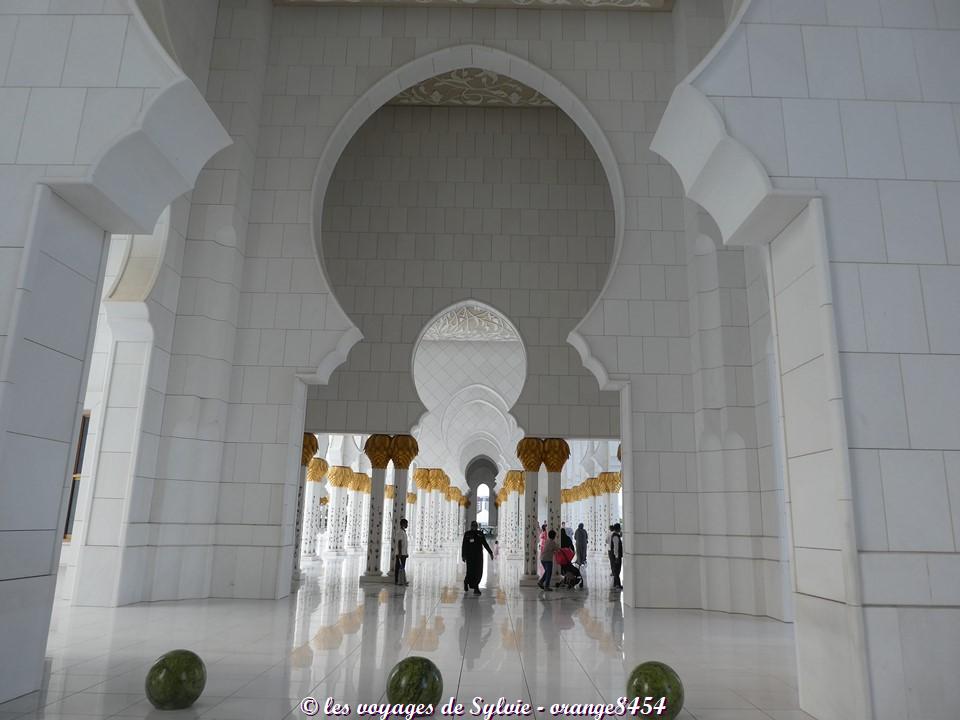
334, 639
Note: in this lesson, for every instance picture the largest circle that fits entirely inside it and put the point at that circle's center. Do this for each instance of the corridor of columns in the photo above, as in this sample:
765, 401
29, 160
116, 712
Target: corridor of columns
355, 489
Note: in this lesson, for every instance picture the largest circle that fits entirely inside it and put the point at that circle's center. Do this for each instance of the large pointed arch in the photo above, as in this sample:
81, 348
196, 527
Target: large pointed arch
417, 71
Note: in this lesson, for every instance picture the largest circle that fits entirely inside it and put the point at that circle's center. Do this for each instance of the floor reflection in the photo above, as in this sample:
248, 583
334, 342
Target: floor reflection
333, 638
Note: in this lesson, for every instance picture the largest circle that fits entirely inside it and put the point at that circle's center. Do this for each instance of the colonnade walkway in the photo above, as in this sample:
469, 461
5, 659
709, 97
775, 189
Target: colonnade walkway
331, 638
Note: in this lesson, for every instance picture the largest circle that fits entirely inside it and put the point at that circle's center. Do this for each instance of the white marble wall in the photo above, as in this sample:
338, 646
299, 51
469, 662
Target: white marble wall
72, 81
858, 101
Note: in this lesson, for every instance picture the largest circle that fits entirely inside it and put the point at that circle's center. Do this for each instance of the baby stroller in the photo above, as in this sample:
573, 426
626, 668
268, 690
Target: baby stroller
570, 576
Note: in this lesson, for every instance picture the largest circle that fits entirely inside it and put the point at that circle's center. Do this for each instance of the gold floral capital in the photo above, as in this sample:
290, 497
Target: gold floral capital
309, 448
317, 469
361, 483
513, 482
530, 453
438, 479
390, 491
377, 448
609, 482
403, 449
411, 498
421, 478
340, 476
555, 454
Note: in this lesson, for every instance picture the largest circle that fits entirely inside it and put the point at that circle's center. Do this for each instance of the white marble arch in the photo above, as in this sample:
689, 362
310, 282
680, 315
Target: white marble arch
416, 71
475, 415
728, 180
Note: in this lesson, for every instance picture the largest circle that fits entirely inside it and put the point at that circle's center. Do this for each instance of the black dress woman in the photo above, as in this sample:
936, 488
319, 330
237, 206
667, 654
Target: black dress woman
471, 552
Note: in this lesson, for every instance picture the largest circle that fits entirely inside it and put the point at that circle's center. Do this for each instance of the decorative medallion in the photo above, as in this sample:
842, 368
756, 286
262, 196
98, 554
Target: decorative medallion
471, 323
472, 87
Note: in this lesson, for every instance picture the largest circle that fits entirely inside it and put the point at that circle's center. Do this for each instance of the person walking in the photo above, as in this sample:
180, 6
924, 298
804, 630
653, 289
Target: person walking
471, 552
616, 556
580, 539
402, 552
546, 559
541, 542
606, 544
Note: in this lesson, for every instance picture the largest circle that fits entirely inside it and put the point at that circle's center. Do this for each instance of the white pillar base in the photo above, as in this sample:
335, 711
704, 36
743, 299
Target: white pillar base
376, 579
529, 580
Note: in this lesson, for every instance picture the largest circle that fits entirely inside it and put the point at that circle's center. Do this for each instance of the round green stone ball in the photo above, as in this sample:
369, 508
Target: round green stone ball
415, 680
657, 680
176, 680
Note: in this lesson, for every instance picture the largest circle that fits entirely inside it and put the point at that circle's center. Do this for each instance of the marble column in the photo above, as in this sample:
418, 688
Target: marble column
403, 449
555, 454
590, 510
411, 506
313, 506
421, 481
339, 478
298, 526
389, 493
603, 508
513, 512
377, 449
353, 513
307, 449
365, 511
445, 520
438, 485
530, 453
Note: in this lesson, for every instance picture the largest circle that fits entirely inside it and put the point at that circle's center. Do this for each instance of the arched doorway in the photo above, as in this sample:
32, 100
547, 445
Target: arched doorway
481, 476
483, 505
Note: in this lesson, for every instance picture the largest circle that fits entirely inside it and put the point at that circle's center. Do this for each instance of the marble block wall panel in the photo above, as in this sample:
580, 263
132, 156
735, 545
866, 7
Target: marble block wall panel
856, 101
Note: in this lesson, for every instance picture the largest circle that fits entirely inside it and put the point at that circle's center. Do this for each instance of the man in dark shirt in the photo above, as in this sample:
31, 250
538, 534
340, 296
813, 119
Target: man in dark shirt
471, 552
616, 556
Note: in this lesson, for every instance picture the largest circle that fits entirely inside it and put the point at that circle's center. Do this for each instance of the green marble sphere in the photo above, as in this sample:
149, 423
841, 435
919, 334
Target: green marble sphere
415, 680
176, 680
657, 680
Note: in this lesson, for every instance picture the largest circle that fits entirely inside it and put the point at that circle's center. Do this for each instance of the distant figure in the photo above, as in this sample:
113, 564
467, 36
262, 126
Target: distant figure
496, 548
565, 540
402, 552
471, 552
606, 544
543, 541
546, 559
616, 556
580, 539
